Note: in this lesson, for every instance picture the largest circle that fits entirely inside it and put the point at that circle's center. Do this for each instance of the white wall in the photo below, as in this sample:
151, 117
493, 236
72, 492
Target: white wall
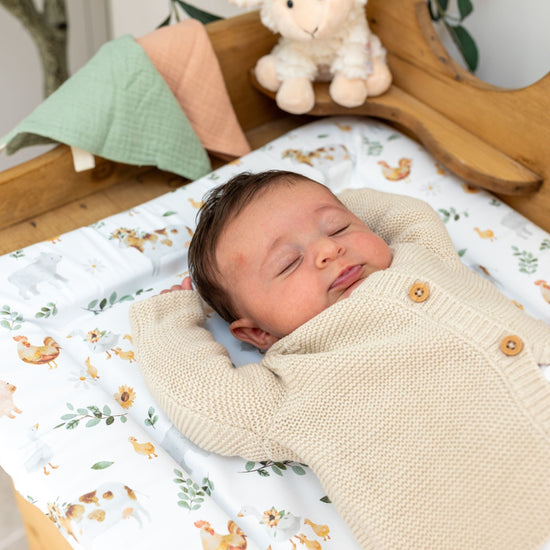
512, 36
138, 17
513, 39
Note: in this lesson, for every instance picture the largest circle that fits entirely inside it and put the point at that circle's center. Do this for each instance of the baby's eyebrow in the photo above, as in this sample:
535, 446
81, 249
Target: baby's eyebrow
339, 208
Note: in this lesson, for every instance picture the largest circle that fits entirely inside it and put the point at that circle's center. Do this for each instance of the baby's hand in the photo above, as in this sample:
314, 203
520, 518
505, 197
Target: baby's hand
185, 285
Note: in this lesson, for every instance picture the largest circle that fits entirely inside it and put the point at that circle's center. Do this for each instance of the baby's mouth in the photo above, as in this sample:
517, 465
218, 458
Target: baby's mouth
347, 277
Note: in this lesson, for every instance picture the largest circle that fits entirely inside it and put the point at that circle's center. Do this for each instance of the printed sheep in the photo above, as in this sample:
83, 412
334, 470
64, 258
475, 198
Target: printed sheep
320, 40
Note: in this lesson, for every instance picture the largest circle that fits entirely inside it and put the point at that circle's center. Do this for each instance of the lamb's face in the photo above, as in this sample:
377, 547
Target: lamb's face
306, 20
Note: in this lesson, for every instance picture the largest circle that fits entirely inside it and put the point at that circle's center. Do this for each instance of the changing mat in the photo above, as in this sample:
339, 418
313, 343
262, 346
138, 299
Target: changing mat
81, 436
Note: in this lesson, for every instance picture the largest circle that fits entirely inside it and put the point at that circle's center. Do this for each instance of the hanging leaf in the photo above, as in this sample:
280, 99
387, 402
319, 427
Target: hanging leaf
465, 43
165, 23
200, 15
465, 8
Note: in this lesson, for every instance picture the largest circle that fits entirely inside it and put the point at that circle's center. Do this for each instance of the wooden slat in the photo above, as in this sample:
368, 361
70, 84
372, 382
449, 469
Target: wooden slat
49, 181
457, 149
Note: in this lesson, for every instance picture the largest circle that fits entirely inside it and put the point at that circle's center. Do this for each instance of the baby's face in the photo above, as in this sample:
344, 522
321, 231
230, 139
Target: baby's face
291, 253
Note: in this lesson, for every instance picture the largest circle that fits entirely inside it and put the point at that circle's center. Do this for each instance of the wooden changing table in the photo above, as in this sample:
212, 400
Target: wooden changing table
491, 137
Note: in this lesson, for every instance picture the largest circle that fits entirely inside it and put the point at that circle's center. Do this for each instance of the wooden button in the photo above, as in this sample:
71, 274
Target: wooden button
511, 345
419, 292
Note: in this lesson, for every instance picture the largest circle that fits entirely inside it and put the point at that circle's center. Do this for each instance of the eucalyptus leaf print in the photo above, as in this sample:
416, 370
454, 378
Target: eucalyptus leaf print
101, 304
152, 418
278, 468
102, 465
191, 495
527, 262
11, 320
50, 309
374, 148
451, 214
92, 414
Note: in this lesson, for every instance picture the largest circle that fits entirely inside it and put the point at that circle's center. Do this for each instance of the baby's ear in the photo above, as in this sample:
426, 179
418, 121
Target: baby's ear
247, 331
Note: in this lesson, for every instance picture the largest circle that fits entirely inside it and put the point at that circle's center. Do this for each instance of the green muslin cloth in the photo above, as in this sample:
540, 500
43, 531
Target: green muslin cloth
118, 107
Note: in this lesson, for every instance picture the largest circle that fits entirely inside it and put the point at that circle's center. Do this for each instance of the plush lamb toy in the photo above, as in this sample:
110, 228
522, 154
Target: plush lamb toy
320, 40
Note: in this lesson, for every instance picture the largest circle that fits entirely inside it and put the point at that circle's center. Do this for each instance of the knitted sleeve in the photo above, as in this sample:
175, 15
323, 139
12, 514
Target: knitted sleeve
221, 408
401, 219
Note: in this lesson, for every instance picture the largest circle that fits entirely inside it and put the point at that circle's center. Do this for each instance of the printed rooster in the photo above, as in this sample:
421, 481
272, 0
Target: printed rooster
38, 355
234, 540
399, 172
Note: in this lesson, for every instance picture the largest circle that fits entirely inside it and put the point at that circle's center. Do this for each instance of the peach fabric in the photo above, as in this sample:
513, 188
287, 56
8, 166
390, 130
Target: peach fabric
183, 55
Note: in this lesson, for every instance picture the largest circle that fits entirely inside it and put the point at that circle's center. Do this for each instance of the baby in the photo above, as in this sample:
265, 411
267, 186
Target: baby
407, 383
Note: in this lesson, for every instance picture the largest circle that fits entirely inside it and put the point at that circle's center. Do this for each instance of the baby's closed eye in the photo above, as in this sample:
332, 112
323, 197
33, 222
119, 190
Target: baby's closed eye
288, 265
340, 230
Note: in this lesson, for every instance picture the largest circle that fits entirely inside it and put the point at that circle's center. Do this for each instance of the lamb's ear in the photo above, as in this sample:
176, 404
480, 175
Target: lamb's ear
246, 3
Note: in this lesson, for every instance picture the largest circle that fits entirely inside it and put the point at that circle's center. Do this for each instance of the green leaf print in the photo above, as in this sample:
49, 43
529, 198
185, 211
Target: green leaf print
374, 148
99, 305
102, 465
191, 495
527, 262
91, 412
451, 214
12, 320
152, 418
48, 310
278, 468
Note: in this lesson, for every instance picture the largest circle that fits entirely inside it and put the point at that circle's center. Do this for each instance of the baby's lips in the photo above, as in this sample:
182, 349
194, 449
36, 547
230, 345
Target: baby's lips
347, 277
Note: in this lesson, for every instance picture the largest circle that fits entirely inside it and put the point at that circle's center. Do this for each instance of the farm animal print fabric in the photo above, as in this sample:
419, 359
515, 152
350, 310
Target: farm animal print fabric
81, 436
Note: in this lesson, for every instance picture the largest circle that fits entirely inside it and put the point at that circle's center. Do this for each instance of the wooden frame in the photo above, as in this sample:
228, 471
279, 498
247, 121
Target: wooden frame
493, 137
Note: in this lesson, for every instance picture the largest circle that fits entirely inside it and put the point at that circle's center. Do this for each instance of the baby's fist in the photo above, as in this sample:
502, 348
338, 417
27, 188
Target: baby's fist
185, 285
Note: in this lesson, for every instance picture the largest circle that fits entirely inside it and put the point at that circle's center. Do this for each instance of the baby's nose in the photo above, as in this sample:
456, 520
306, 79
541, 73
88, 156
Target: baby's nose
328, 250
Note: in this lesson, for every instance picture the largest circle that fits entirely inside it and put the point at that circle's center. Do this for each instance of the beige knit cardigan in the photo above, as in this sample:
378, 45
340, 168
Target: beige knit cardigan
417, 401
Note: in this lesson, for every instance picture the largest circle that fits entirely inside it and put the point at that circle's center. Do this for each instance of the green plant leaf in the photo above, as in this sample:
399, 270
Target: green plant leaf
465, 8
466, 44
202, 16
165, 22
